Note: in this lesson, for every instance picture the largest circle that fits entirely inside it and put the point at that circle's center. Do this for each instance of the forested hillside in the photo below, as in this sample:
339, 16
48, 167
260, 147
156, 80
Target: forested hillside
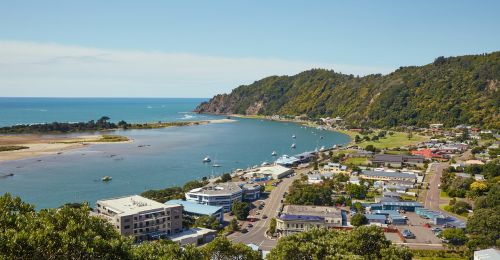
452, 91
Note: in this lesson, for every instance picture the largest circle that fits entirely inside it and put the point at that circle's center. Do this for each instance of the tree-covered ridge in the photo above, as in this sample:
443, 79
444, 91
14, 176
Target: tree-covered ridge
455, 90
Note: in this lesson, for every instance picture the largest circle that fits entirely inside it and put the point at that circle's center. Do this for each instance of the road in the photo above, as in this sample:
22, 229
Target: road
432, 195
256, 234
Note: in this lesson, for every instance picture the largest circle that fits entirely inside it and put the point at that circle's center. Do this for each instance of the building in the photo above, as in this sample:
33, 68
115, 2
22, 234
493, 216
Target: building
396, 160
251, 191
396, 205
388, 176
487, 254
392, 216
297, 218
270, 172
195, 210
305, 157
194, 236
316, 178
375, 218
216, 194
287, 161
335, 168
140, 217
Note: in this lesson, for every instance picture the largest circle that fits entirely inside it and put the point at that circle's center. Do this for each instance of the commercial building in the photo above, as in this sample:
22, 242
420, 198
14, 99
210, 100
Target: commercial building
297, 218
396, 160
396, 205
287, 161
141, 217
194, 236
195, 210
217, 194
251, 191
270, 172
335, 168
392, 216
388, 176
374, 218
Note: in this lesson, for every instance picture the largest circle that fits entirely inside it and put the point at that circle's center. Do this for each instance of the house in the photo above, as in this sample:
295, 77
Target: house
316, 178
396, 160
299, 218
335, 168
195, 210
142, 218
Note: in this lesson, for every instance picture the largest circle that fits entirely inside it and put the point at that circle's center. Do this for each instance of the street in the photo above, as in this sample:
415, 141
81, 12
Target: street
433, 194
256, 234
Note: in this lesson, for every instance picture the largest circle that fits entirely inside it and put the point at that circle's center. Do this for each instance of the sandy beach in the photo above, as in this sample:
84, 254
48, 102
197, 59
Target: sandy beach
40, 145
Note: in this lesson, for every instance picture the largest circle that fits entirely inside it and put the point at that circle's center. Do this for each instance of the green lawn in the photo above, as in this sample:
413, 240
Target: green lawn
398, 139
444, 195
12, 148
357, 161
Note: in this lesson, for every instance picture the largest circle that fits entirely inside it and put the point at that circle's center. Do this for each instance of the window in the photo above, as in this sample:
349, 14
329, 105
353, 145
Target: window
176, 217
135, 225
127, 227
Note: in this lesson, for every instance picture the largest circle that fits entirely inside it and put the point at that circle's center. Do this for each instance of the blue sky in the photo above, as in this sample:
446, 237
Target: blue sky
200, 48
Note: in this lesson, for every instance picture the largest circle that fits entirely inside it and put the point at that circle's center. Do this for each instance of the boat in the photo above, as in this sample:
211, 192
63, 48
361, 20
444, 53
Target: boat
215, 165
321, 137
206, 159
293, 145
265, 164
274, 153
322, 149
293, 136
106, 178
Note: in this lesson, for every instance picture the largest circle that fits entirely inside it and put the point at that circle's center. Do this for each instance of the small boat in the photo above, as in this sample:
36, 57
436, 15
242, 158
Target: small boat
293, 136
106, 178
321, 137
215, 165
293, 145
274, 153
322, 149
265, 164
206, 159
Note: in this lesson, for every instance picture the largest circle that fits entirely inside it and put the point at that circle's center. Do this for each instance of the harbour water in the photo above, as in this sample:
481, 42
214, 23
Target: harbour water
156, 158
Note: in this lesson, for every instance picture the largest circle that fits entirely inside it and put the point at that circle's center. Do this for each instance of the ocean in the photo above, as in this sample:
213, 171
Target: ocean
157, 158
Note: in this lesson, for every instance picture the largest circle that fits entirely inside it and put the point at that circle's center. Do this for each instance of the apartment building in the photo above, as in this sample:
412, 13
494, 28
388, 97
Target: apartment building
217, 194
140, 217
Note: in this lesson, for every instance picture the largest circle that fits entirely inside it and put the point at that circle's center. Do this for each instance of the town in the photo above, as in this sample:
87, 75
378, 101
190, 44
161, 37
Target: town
419, 185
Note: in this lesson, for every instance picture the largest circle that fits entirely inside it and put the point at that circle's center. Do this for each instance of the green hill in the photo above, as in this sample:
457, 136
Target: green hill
452, 91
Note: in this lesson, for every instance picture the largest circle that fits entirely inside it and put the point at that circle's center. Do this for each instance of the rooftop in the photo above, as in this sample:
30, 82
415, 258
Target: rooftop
131, 204
375, 217
225, 188
300, 217
193, 232
318, 211
194, 207
274, 170
388, 174
489, 253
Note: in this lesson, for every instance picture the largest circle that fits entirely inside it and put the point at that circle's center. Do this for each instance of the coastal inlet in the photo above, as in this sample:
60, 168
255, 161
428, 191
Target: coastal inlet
157, 158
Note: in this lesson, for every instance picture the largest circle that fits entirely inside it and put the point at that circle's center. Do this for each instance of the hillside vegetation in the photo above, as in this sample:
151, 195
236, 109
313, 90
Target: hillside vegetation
452, 91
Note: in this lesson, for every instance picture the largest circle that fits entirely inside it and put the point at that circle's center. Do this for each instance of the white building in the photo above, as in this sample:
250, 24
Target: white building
487, 254
299, 218
217, 194
141, 217
194, 236
271, 172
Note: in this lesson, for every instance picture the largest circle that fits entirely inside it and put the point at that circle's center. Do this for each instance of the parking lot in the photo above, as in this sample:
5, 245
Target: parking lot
416, 224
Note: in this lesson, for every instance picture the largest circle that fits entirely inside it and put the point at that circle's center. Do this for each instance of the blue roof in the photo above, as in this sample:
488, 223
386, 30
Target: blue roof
285, 159
375, 216
195, 208
402, 203
300, 217
386, 212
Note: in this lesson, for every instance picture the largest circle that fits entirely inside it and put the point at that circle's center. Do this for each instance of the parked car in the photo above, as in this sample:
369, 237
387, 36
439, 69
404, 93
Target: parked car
244, 230
250, 225
408, 234
264, 216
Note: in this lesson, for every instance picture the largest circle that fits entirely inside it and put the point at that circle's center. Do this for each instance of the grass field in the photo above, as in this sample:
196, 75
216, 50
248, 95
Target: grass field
398, 139
357, 161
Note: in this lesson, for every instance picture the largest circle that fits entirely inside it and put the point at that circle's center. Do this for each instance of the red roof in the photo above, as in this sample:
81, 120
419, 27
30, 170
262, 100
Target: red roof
427, 153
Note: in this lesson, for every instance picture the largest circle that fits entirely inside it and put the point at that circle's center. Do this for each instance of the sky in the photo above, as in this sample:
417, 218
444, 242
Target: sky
187, 48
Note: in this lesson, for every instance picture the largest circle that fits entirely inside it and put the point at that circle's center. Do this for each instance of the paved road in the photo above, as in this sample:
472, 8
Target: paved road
432, 195
256, 235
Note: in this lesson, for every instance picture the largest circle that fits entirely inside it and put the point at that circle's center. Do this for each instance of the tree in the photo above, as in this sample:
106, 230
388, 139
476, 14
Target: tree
454, 236
370, 148
460, 207
358, 220
193, 185
361, 243
225, 177
164, 249
240, 210
357, 139
358, 207
207, 222
483, 228
272, 226
233, 225
222, 249
356, 191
